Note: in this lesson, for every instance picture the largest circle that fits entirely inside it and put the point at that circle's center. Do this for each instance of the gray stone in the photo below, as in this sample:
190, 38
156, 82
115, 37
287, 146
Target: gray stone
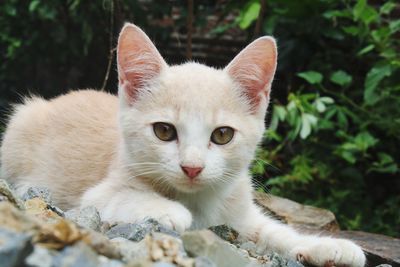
203, 262
137, 231
56, 210
163, 264
131, 250
250, 247
225, 232
101, 244
40, 192
278, 261
87, 217
79, 255
106, 262
6, 193
14, 247
40, 257
205, 243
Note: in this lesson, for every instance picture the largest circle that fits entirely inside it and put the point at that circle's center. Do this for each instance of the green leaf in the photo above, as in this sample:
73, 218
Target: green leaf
387, 8
386, 164
249, 15
342, 119
374, 77
365, 13
359, 8
394, 26
365, 140
280, 112
311, 77
348, 156
337, 13
327, 100
33, 5
352, 30
319, 105
341, 78
307, 120
366, 49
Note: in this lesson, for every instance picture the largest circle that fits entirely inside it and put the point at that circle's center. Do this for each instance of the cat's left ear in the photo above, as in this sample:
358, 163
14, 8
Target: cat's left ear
139, 62
253, 70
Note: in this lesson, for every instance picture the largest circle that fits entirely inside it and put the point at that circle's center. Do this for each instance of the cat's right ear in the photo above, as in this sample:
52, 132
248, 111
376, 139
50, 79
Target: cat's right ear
253, 69
139, 62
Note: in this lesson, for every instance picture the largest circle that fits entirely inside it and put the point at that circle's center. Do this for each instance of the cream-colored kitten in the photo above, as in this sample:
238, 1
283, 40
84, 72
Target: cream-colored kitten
175, 146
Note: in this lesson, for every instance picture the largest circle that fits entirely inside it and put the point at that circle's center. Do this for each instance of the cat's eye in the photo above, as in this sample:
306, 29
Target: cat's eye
222, 135
164, 131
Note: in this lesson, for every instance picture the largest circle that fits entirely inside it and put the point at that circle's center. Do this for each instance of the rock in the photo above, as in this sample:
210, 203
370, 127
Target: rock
166, 248
205, 243
225, 232
379, 249
101, 244
40, 192
203, 262
79, 255
14, 247
14, 219
8, 194
300, 216
156, 247
278, 261
87, 217
40, 257
250, 247
106, 262
163, 264
58, 235
44, 194
131, 251
137, 231
40, 209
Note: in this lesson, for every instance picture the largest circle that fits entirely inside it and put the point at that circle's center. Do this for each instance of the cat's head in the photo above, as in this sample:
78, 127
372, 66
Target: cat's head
191, 126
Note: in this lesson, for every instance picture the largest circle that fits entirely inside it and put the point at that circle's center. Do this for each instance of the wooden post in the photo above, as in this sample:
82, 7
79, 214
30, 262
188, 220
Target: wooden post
189, 30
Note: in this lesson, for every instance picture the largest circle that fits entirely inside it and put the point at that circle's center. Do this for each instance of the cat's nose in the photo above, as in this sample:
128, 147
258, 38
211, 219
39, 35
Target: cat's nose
191, 172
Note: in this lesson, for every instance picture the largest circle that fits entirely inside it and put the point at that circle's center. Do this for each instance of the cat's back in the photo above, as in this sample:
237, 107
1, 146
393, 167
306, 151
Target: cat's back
66, 142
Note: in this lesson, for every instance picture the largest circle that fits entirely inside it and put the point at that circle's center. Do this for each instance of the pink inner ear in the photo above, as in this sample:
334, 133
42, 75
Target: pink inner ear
254, 69
138, 61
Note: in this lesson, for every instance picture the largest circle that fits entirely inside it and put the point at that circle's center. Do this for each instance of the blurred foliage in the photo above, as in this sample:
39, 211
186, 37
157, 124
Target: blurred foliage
334, 140
334, 120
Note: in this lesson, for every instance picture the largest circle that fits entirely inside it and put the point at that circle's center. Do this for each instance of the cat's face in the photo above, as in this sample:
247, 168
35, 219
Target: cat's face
190, 126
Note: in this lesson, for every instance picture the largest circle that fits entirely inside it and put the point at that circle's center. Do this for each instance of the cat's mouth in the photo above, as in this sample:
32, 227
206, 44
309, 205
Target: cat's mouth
189, 185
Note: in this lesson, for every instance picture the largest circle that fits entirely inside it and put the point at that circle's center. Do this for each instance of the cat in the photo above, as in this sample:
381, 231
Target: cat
175, 145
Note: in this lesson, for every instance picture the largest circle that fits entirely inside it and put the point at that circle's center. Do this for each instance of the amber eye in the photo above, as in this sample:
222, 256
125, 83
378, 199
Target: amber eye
165, 131
222, 135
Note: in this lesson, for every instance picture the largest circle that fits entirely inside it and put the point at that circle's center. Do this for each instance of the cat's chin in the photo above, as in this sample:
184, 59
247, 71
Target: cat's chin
188, 187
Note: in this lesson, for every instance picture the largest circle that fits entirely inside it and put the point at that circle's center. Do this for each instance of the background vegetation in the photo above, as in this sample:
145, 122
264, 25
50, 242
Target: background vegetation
334, 132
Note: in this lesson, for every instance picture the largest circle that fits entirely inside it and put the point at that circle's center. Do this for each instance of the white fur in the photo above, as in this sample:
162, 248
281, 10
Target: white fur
90, 148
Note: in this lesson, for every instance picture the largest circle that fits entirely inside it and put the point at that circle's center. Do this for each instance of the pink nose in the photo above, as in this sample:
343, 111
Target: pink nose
191, 172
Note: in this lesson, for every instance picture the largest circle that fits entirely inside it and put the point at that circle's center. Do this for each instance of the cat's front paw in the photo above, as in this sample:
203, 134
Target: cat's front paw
176, 217
329, 252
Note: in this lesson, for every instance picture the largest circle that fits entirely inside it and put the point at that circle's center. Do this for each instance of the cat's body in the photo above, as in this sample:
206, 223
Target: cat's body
175, 146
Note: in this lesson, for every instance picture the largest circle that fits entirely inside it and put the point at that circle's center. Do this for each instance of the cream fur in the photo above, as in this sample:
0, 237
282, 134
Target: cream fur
89, 147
